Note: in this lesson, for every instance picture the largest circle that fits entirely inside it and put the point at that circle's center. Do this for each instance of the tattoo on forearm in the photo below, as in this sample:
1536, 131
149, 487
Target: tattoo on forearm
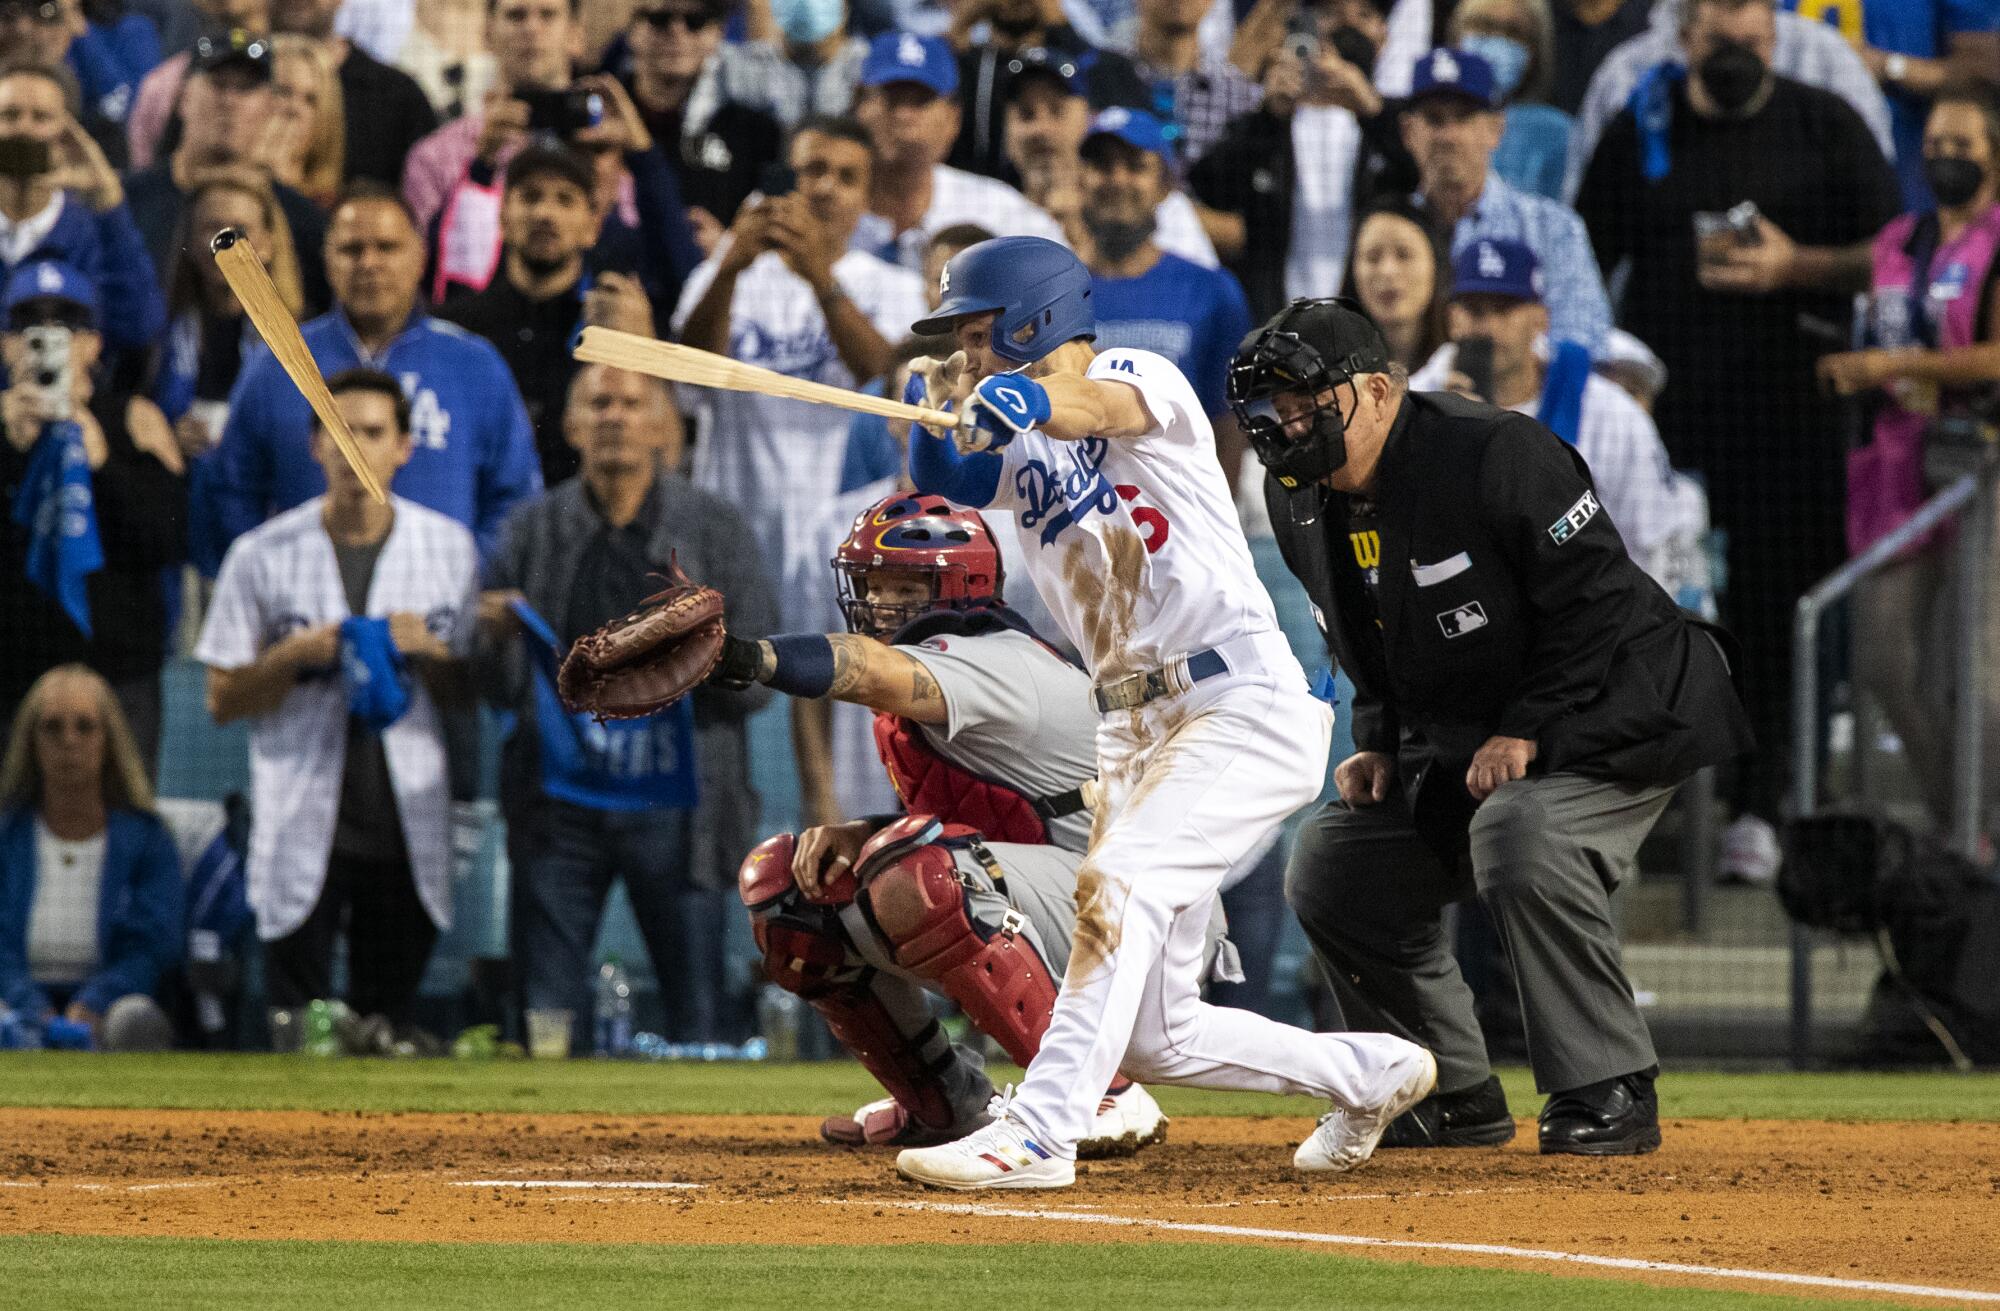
850, 661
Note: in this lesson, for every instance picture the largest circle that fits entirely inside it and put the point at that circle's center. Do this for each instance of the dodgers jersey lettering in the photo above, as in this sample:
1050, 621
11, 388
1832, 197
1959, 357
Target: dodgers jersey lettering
1135, 544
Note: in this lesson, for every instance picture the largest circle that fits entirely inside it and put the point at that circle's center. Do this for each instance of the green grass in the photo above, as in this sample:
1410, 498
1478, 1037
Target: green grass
251, 1082
78, 1273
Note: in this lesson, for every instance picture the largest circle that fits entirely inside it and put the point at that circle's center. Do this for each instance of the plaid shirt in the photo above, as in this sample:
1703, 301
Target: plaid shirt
1578, 308
1202, 101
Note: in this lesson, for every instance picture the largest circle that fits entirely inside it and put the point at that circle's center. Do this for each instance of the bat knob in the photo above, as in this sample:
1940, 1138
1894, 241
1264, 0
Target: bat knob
224, 239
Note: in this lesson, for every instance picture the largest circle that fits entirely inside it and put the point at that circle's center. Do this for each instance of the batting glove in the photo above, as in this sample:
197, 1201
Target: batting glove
1003, 407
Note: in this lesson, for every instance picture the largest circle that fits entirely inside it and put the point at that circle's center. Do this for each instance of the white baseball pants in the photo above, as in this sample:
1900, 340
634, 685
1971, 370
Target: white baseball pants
1192, 784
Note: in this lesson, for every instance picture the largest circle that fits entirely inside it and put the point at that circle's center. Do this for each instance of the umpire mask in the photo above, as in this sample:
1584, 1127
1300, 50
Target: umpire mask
1312, 347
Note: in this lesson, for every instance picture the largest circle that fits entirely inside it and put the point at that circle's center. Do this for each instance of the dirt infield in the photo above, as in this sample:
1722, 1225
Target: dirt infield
1907, 1203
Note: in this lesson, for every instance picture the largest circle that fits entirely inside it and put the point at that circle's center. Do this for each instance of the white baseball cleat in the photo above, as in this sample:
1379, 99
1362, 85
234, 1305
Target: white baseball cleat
1346, 1138
1126, 1121
1002, 1155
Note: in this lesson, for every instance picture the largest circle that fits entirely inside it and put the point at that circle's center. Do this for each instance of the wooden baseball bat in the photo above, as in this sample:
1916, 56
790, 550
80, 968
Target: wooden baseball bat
664, 359
252, 284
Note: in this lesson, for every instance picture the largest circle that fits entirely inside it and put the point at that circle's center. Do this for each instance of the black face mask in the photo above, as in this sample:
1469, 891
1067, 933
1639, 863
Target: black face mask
1116, 240
1353, 45
1732, 75
1953, 181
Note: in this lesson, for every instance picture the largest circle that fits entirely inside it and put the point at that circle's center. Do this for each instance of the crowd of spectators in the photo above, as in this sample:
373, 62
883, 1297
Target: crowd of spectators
1743, 253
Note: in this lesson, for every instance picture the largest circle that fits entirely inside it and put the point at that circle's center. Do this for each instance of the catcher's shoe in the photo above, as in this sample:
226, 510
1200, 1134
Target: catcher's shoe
1475, 1117
887, 1123
1127, 1120
1346, 1138
1002, 1155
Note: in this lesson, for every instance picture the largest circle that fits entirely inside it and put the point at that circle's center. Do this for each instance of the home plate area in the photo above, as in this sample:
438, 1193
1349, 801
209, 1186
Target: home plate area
1898, 1210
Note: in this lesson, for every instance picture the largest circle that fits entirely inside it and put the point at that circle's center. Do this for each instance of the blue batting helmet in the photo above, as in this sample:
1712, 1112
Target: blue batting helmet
1041, 290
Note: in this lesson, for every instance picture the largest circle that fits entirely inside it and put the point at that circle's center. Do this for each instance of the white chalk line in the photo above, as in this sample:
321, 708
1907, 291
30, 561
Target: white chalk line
105, 1188
636, 1184
1467, 1249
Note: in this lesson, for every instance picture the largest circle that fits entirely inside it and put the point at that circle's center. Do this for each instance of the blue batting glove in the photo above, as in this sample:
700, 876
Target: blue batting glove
1007, 405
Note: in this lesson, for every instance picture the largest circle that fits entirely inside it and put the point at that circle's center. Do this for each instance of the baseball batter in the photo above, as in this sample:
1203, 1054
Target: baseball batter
1206, 736
984, 732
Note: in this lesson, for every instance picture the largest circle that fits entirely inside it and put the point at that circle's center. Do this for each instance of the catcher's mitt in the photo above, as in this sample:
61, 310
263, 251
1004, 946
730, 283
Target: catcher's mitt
645, 661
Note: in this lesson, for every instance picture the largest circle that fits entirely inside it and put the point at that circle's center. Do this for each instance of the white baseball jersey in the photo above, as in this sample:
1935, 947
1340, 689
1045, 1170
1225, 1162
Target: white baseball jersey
1617, 439
1179, 231
778, 460
956, 197
1134, 543
1016, 713
282, 577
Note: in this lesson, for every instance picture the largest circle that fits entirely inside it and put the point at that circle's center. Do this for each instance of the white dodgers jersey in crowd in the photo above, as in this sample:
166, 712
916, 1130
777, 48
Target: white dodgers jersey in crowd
1134, 543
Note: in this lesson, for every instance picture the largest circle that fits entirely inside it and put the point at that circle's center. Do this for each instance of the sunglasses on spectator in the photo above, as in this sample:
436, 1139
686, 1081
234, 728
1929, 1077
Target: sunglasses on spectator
49, 314
80, 725
692, 20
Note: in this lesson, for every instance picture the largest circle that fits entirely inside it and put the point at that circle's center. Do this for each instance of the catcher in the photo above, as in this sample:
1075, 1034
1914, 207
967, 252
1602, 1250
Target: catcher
983, 730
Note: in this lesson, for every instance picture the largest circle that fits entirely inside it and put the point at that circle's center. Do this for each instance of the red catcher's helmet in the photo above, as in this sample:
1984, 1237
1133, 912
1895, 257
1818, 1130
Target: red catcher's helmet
925, 535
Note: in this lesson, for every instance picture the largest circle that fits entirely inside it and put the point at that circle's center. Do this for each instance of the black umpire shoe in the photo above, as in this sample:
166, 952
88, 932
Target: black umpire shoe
1612, 1117
1475, 1117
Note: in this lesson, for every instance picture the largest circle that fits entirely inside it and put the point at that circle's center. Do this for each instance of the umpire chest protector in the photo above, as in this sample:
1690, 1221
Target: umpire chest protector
1495, 591
929, 784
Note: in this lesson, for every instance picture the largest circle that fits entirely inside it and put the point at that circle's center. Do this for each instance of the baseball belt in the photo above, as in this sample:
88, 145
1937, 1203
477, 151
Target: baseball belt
1171, 679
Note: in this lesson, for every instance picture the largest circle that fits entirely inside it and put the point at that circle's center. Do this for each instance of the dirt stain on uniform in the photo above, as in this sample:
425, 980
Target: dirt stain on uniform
1107, 593
1098, 929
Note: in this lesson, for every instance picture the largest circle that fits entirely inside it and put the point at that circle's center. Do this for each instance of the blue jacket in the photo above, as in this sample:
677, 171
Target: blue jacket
474, 457
138, 911
109, 248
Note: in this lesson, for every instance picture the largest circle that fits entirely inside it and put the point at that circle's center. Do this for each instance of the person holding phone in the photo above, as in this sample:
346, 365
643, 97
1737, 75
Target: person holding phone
1740, 303
61, 199
785, 291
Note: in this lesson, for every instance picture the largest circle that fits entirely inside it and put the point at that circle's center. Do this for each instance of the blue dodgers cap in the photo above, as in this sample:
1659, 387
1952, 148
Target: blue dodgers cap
1497, 268
906, 57
1136, 128
48, 279
1459, 73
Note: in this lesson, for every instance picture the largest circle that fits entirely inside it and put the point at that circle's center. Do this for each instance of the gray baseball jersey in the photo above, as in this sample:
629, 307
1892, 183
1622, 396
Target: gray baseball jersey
1015, 713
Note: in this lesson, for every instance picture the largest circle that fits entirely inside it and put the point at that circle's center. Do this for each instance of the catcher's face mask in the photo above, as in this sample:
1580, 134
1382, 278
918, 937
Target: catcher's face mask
1287, 398
878, 602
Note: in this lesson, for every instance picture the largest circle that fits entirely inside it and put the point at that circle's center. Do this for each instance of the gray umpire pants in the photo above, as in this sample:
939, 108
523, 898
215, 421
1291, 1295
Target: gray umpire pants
1543, 854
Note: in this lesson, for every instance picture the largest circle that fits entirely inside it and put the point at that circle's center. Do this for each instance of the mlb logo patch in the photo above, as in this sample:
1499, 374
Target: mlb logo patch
1575, 518
1467, 618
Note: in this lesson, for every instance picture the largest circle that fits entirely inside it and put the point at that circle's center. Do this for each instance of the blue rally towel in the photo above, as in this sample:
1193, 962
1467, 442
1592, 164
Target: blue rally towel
1652, 105
1561, 410
377, 677
56, 506
619, 764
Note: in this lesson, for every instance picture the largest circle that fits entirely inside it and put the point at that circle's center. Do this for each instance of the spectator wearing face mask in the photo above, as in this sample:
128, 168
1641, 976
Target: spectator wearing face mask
1048, 118
1803, 49
1740, 309
1934, 352
1512, 36
1281, 185
822, 65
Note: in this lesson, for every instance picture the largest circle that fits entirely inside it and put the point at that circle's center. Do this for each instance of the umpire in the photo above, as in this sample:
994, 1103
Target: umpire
1526, 702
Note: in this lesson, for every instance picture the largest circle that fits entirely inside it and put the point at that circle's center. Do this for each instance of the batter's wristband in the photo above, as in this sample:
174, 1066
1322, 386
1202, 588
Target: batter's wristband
805, 665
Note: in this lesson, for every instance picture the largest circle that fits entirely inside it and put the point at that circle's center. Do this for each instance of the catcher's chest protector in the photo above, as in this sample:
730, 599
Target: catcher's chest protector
928, 784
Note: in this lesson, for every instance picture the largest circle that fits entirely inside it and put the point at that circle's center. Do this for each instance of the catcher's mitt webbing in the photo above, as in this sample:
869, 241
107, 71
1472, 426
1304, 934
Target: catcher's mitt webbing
643, 662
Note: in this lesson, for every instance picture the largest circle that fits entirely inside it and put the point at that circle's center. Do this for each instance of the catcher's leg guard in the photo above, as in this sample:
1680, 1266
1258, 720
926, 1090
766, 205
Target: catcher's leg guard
806, 953
911, 892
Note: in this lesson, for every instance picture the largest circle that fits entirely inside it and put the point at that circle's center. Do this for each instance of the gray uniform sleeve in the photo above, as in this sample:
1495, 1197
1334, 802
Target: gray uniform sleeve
992, 687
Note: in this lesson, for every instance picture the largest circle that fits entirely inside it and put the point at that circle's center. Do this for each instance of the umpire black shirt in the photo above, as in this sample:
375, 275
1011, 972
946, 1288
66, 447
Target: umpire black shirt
1508, 606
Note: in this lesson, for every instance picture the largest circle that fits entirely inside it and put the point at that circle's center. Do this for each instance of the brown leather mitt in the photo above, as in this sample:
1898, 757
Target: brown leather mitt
643, 662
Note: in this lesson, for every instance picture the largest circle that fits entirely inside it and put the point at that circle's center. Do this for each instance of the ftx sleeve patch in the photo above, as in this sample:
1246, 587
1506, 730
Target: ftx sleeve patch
1572, 522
